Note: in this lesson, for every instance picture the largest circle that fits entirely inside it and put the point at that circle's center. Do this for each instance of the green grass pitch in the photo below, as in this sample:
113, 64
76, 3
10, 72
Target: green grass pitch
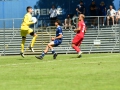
91, 72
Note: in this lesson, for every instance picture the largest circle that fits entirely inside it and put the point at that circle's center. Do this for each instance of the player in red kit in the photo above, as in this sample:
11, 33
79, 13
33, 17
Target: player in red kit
80, 31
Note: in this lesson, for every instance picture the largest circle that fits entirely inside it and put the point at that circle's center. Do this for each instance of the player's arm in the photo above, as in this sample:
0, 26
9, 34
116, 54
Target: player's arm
78, 29
60, 36
27, 20
85, 29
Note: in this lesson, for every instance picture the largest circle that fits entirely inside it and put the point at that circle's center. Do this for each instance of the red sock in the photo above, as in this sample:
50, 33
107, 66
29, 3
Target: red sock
76, 48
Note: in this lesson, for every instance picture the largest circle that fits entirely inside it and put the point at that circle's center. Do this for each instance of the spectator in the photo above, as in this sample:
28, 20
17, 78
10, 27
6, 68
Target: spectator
80, 8
110, 15
53, 15
68, 22
118, 16
93, 12
74, 20
102, 11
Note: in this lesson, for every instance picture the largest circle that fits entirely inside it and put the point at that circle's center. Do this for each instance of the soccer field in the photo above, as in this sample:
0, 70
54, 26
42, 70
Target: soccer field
91, 72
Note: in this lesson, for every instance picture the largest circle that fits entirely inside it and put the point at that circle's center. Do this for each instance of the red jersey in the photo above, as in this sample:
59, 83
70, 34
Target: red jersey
83, 28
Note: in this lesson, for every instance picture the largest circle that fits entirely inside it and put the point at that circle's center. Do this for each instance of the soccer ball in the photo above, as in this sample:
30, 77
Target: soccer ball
34, 19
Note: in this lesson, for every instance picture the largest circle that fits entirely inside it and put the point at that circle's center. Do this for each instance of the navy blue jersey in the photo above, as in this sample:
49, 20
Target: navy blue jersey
58, 31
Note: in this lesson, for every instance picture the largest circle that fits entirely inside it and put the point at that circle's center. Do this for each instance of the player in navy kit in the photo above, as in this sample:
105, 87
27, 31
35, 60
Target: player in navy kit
55, 41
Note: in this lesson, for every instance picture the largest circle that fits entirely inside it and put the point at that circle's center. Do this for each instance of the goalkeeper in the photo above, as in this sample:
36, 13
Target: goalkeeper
27, 21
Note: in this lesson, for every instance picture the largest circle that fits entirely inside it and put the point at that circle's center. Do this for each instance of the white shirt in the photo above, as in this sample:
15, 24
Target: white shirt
53, 13
111, 12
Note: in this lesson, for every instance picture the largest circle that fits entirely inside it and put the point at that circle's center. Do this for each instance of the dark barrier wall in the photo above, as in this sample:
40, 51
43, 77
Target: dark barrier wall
17, 8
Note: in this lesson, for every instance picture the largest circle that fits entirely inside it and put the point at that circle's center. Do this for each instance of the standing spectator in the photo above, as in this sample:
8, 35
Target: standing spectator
102, 11
110, 15
53, 15
93, 12
80, 8
68, 22
118, 16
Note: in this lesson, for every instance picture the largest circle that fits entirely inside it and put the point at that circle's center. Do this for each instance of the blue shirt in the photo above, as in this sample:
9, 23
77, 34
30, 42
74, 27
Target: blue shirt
59, 31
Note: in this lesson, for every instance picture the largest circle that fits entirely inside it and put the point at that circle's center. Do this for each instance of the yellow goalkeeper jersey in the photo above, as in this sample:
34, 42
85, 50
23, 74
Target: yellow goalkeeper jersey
27, 21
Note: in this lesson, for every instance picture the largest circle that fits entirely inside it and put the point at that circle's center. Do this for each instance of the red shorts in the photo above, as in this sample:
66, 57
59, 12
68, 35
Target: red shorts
77, 40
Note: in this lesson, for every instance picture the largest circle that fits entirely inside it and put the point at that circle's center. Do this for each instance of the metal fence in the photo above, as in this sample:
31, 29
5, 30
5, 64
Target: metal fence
89, 20
98, 38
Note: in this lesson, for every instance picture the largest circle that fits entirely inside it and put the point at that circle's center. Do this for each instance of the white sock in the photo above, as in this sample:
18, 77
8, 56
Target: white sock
52, 49
80, 53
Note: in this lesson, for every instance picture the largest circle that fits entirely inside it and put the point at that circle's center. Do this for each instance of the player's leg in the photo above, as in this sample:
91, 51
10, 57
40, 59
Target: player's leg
74, 46
79, 43
31, 32
23, 34
22, 46
54, 44
50, 45
75, 43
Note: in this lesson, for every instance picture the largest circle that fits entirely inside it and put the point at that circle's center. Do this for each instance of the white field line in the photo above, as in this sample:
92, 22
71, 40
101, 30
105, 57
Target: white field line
17, 64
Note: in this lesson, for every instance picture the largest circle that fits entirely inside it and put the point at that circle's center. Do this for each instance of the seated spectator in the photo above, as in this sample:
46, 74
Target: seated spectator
118, 16
102, 12
80, 8
110, 15
93, 12
68, 22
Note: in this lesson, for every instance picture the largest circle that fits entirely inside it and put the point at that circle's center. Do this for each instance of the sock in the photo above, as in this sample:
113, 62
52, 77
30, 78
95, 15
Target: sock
80, 53
43, 54
76, 48
53, 51
33, 40
22, 46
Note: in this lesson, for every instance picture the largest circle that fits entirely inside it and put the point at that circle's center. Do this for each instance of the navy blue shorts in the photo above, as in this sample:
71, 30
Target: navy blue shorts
57, 42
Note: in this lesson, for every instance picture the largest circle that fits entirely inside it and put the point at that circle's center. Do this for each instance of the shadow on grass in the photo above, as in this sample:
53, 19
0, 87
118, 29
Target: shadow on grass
24, 59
